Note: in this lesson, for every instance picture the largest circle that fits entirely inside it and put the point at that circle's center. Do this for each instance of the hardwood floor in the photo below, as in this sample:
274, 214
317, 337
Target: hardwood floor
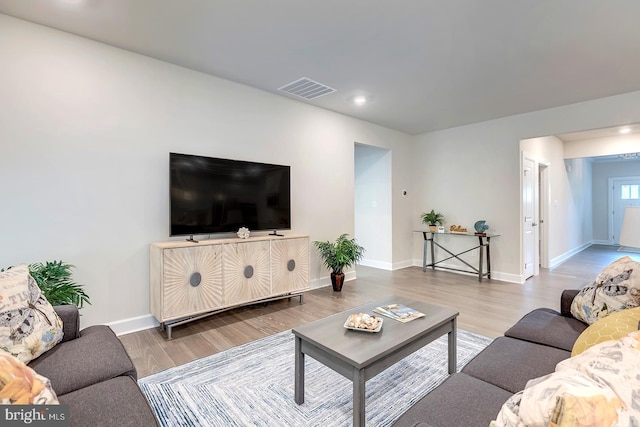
488, 308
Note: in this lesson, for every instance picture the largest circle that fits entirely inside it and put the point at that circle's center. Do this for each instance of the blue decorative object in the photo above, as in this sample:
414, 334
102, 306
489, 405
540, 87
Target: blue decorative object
481, 226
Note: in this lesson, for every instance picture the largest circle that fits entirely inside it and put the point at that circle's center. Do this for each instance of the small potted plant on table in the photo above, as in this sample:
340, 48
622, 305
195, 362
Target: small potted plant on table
432, 219
338, 255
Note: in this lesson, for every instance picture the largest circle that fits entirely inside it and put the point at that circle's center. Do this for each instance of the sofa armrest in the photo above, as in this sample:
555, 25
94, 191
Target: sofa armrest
70, 321
565, 301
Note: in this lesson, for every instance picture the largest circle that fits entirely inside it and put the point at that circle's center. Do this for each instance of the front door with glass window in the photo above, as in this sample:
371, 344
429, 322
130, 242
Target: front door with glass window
626, 192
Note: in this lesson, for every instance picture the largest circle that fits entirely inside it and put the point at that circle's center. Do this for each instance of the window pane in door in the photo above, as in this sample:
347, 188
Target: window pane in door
634, 191
624, 192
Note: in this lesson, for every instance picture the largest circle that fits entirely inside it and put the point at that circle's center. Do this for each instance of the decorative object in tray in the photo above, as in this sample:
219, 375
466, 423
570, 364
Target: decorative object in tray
457, 229
363, 322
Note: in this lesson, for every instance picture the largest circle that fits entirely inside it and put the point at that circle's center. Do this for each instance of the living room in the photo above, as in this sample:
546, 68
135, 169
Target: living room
87, 129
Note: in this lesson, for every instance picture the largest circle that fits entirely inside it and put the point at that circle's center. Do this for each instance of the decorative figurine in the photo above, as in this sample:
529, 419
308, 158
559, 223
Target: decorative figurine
481, 227
243, 233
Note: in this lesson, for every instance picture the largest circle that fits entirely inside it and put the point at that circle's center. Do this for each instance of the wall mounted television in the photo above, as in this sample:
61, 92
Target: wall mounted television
211, 195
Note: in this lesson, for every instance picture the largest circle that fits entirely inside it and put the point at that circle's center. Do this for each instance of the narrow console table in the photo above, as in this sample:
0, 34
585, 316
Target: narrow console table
482, 245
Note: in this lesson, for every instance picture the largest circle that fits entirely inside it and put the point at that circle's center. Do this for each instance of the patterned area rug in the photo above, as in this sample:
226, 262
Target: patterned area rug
253, 384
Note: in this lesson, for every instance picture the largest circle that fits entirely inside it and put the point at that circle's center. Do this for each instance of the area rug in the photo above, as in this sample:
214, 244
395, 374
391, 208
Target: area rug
253, 385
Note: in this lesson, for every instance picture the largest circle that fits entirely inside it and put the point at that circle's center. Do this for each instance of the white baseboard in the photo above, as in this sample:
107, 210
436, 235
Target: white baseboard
507, 277
495, 275
602, 242
134, 324
376, 264
402, 264
565, 256
386, 265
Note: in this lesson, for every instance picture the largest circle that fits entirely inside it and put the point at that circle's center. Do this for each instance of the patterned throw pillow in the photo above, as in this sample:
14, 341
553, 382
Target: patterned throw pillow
616, 288
612, 327
21, 385
29, 326
599, 387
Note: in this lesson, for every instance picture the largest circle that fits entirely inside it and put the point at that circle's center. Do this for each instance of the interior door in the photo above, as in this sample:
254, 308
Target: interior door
626, 192
528, 212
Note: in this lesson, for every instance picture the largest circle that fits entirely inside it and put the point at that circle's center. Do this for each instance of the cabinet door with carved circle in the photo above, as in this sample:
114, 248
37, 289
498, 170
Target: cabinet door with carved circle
246, 272
192, 280
289, 265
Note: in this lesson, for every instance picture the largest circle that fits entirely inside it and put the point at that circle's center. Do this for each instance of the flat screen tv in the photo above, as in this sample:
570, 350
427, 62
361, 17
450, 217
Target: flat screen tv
212, 195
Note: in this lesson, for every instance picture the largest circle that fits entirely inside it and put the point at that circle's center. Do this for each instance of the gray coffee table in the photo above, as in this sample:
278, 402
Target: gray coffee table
360, 356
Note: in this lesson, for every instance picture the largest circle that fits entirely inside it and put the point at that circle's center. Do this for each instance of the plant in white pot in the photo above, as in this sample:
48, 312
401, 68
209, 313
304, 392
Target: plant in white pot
432, 219
339, 255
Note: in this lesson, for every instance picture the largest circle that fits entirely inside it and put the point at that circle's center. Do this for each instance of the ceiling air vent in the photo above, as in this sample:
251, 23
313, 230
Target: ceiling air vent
306, 88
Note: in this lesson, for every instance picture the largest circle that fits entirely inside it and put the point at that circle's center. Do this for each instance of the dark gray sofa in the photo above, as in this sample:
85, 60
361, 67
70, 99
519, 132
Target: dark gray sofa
92, 373
473, 397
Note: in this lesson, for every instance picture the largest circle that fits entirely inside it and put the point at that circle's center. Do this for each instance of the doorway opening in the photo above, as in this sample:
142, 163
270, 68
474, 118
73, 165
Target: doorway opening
373, 205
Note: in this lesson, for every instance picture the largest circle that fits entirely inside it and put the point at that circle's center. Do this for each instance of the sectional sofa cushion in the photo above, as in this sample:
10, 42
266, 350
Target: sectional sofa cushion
509, 363
115, 402
616, 288
29, 326
97, 355
546, 326
435, 407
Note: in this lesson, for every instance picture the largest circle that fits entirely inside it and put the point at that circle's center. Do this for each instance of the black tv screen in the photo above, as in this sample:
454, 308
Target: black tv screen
211, 195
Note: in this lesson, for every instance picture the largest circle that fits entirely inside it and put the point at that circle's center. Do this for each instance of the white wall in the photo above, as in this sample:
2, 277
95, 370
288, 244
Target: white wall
85, 133
602, 171
373, 205
619, 144
472, 172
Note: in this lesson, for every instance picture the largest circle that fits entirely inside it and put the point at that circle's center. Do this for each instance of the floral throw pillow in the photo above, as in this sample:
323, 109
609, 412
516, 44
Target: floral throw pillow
29, 326
616, 288
598, 387
21, 385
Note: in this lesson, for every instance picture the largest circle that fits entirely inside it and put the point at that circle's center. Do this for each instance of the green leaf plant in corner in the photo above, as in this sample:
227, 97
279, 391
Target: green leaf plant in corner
57, 285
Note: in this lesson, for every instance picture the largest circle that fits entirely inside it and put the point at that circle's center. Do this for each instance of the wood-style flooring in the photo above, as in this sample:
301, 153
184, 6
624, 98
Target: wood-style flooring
488, 308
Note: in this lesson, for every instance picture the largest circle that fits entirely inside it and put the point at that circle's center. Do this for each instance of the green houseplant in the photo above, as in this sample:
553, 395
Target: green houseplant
338, 255
432, 219
57, 285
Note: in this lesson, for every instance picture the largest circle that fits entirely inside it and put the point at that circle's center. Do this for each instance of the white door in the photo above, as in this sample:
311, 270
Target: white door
543, 214
528, 212
626, 192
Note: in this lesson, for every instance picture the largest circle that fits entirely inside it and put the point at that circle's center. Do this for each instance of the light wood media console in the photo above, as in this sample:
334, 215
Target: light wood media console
191, 280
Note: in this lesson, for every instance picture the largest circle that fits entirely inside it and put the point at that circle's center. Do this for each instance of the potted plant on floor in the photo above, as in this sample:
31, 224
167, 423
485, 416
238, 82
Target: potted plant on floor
338, 255
432, 219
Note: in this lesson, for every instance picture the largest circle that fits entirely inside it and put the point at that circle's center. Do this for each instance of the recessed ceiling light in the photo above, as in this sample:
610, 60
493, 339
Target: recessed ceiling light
624, 130
360, 100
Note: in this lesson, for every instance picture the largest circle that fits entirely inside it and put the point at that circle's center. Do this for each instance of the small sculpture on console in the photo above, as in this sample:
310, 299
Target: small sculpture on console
243, 233
481, 227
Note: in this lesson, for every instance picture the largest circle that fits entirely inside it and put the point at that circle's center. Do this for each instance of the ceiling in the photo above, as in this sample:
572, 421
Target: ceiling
423, 64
